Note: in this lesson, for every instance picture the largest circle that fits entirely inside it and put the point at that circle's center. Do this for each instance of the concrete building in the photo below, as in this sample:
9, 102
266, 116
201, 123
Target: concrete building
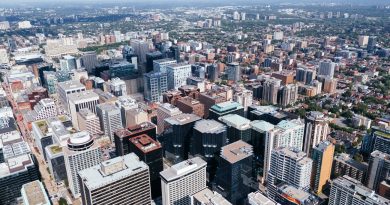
257, 198
117, 87
238, 128
330, 85
140, 49
110, 119
190, 105
125, 103
89, 122
208, 197
68, 63
348, 191
81, 153
290, 166
66, 88
305, 75
322, 156
270, 90
244, 97
86, 99
378, 169
234, 172
183, 180
4, 56
155, 84
326, 68
34, 193
316, 130
45, 108
135, 117
121, 180
164, 111
288, 95
161, 64
224, 108
343, 164
289, 195
363, 41
233, 72
359, 120
177, 75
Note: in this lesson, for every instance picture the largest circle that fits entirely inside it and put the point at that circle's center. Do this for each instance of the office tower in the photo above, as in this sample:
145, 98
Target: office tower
278, 35
288, 95
290, 166
224, 108
177, 75
89, 61
121, 180
136, 117
182, 180
4, 56
236, 15
244, 97
44, 109
80, 153
208, 138
118, 36
56, 161
140, 49
123, 70
164, 111
122, 136
378, 169
128, 54
371, 44
326, 68
270, 90
257, 198
161, 64
289, 195
50, 81
363, 41
155, 84
34, 193
322, 156
190, 105
343, 164
238, 127
234, 172
4, 25
117, 87
125, 103
208, 197
88, 121
68, 63
178, 137
110, 119
198, 70
233, 71
150, 152
316, 130
150, 58
77, 101
243, 16
66, 88
212, 72
175, 53
330, 85
210, 99
348, 191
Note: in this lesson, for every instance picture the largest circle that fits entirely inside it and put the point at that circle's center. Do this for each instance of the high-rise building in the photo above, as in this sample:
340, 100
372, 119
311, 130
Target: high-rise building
182, 180
110, 119
270, 90
244, 97
363, 41
177, 75
135, 117
66, 88
140, 49
89, 61
288, 95
330, 85
122, 136
178, 137
371, 44
326, 68
155, 84
224, 108
278, 35
290, 195
164, 111
123, 70
80, 153
234, 172
34, 193
305, 75
378, 169
150, 58
121, 180
77, 101
238, 127
348, 191
208, 138
343, 164
316, 130
150, 152
190, 105
68, 63
88, 121
4, 56
212, 72
125, 103
117, 87
233, 71
322, 156
161, 64
257, 198
45, 108
290, 166
208, 197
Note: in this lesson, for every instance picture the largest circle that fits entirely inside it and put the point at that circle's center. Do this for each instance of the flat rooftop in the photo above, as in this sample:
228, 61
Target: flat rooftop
145, 143
206, 196
260, 199
262, 126
226, 106
236, 121
295, 193
83, 96
236, 151
209, 126
112, 170
291, 153
183, 168
135, 129
34, 193
70, 85
182, 119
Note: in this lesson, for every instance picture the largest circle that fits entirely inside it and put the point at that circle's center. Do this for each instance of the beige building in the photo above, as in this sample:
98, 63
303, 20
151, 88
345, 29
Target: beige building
88, 121
322, 156
135, 117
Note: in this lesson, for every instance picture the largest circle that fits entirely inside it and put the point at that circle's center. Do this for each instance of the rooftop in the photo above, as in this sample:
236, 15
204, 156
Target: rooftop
292, 153
260, 199
262, 126
164, 60
206, 196
345, 158
183, 168
209, 126
70, 85
82, 96
297, 194
226, 106
135, 129
34, 193
236, 121
112, 170
236, 151
182, 119
145, 143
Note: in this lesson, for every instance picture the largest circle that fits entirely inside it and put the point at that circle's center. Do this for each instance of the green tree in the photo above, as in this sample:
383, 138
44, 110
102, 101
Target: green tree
358, 157
62, 201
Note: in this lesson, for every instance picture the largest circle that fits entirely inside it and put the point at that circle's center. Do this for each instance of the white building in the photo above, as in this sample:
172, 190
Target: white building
290, 166
140, 49
256, 198
177, 75
316, 130
24, 24
326, 68
88, 121
4, 56
363, 41
66, 88
80, 153
208, 197
161, 64
117, 87
45, 108
4, 25
110, 119
359, 120
34, 193
78, 101
164, 111
244, 97
278, 35
183, 180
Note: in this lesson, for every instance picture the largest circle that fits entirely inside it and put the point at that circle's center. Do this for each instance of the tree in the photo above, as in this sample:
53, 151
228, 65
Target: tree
358, 157
347, 114
62, 201
339, 148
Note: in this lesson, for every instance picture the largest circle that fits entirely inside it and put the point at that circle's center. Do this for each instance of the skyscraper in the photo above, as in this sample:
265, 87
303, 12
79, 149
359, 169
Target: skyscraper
68, 63
121, 180
291, 166
270, 90
178, 137
224, 108
161, 64
140, 49
80, 153
348, 191
88, 121
305, 75
89, 61
64, 89
238, 128
155, 84
322, 156
378, 169
288, 95
77, 101
164, 111
316, 130
183, 180
150, 57
371, 44
234, 172
110, 119
177, 75
326, 68
233, 71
